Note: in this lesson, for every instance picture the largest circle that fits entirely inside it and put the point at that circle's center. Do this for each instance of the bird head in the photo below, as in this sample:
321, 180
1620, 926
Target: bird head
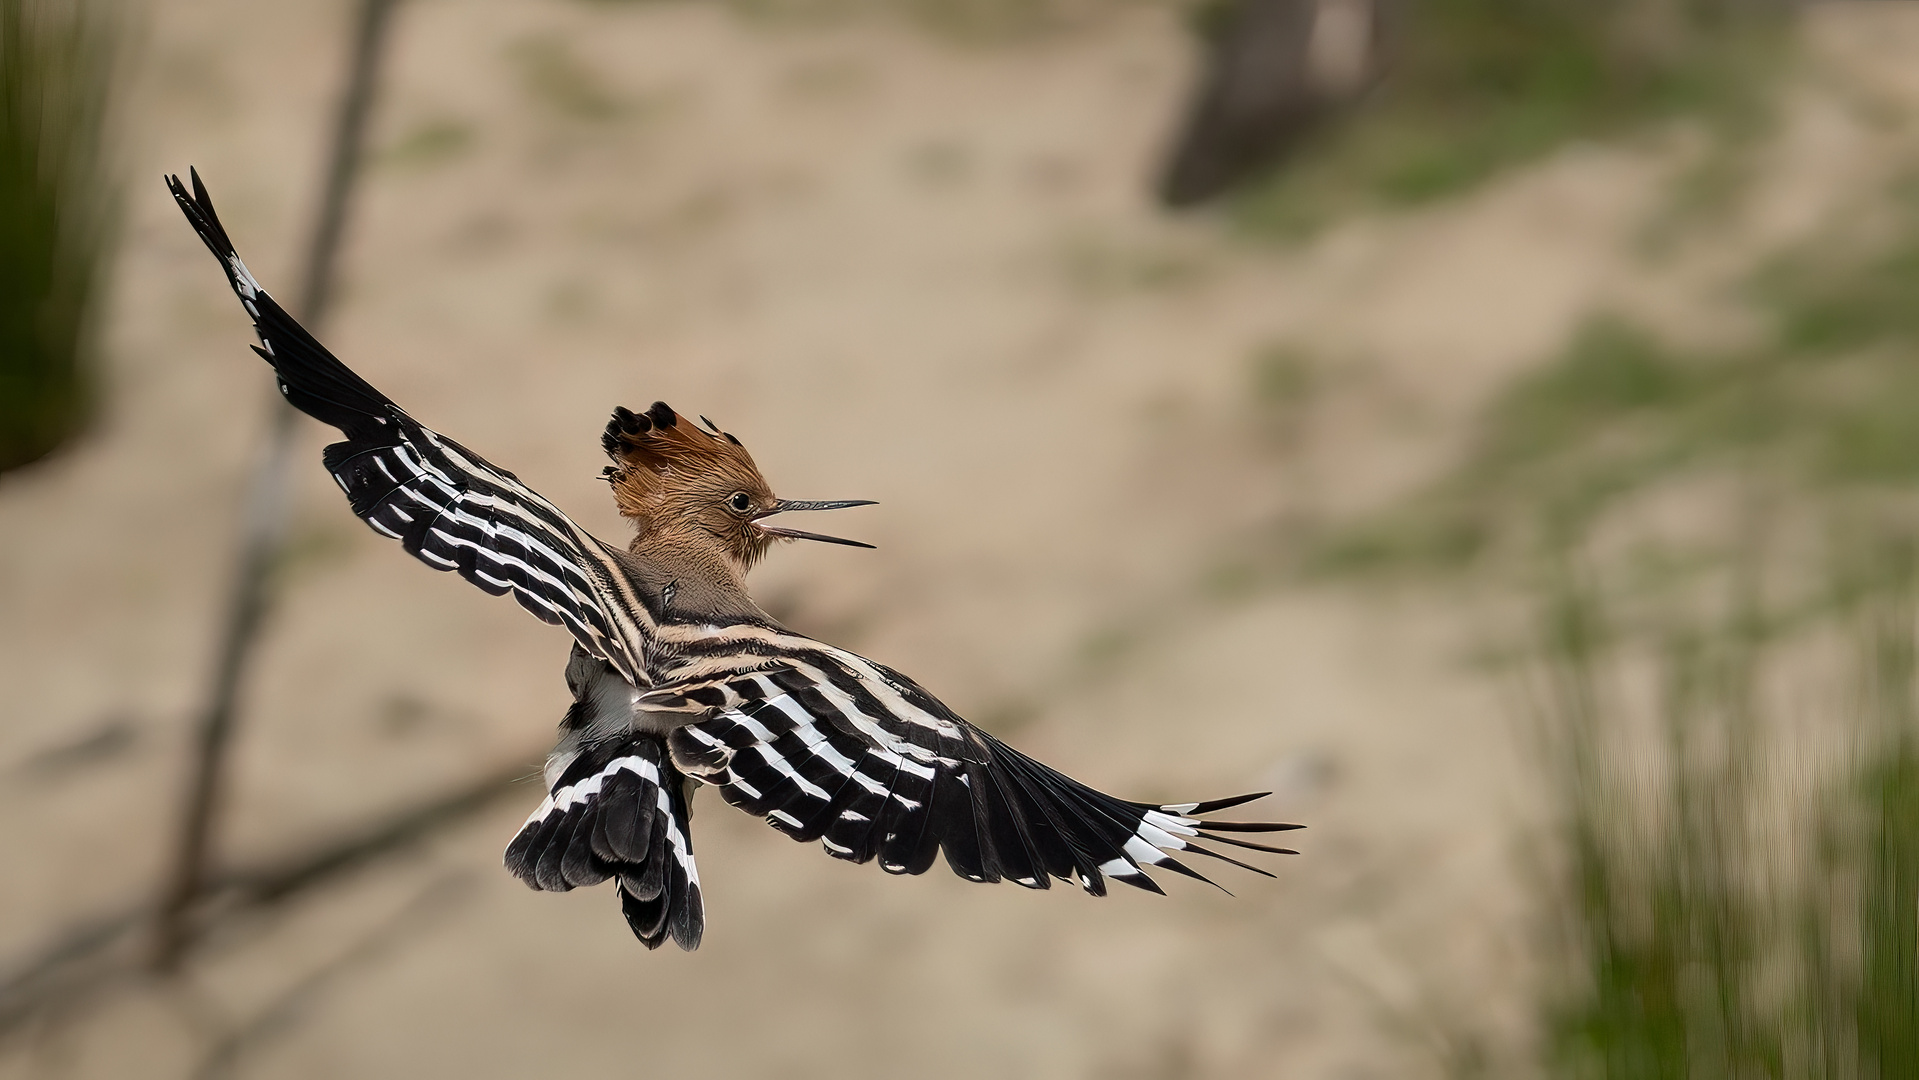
684, 483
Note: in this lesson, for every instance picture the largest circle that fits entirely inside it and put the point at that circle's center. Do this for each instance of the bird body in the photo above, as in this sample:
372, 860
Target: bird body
680, 680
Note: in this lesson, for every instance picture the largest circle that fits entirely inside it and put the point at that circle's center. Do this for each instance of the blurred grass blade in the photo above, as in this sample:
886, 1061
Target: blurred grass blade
56, 214
1689, 850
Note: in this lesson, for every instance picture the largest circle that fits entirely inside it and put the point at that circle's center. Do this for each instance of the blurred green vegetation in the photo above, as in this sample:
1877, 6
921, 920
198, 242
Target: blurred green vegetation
1723, 905
1734, 868
1662, 937
56, 200
1821, 402
556, 76
1475, 87
1722, 546
1859, 914
429, 143
975, 22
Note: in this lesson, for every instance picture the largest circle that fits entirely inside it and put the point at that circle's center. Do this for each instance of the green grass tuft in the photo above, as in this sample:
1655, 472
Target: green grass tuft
1700, 931
56, 216
1663, 929
1823, 402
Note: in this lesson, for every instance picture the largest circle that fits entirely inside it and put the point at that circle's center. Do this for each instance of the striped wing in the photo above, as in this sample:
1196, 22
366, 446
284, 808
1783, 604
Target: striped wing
887, 772
446, 505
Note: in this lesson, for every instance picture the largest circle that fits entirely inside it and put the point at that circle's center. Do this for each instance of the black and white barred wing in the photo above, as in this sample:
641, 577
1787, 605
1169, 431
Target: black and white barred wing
618, 809
856, 756
446, 505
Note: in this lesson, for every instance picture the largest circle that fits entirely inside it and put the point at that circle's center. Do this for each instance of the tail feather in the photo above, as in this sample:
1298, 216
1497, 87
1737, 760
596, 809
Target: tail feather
619, 809
646, 918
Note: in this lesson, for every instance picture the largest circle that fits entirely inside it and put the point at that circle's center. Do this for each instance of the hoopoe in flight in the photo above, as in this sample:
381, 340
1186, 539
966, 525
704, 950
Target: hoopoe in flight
680, 679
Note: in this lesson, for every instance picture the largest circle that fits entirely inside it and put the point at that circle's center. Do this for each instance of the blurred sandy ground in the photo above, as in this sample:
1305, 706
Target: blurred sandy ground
900, 268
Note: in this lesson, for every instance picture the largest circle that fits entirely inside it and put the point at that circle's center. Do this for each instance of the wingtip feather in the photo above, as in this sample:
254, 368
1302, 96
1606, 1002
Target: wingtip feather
1248, 844
1216, 805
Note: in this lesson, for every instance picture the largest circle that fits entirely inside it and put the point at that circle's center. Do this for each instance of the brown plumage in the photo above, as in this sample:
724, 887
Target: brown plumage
695, 494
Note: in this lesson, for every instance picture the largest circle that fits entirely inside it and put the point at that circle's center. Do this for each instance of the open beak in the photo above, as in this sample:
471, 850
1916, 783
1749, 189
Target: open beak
780, 506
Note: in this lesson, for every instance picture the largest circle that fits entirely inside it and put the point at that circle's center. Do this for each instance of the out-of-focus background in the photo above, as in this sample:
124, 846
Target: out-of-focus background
1488, 424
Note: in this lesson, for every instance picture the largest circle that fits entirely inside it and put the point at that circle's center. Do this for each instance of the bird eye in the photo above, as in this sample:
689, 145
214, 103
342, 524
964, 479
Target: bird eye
740, 501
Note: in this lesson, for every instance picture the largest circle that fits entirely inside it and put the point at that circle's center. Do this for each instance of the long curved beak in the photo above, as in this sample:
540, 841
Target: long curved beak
781, 506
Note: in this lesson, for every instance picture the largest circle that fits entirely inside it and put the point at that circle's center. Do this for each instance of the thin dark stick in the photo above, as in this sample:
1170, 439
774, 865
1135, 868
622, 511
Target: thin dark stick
272, 882
266, 513
349, 145
89, 956
283, 1013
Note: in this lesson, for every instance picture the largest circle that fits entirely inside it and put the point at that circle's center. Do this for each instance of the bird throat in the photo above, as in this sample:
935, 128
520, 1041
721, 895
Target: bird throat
697, 571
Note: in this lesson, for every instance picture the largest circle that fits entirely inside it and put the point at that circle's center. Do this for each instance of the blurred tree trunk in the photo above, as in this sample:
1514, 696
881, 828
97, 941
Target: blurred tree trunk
1273, 69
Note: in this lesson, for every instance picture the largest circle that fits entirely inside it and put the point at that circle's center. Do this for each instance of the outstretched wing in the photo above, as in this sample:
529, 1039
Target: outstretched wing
445, 504
831, 747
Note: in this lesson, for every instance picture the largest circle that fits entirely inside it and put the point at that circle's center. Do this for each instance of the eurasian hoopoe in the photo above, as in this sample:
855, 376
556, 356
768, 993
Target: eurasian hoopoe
679, 679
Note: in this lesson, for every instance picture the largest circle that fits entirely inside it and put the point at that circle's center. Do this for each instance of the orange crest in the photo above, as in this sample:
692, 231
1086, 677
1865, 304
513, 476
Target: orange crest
664, 463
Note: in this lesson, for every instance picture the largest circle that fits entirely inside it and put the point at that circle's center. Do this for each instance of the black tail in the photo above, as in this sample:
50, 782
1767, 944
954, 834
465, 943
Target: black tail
618, 809
675, 909
316, 382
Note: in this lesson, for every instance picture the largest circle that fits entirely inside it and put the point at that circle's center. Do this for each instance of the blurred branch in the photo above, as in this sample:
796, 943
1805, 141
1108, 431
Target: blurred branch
266, 513
283, 1012
273, 882
89, 956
